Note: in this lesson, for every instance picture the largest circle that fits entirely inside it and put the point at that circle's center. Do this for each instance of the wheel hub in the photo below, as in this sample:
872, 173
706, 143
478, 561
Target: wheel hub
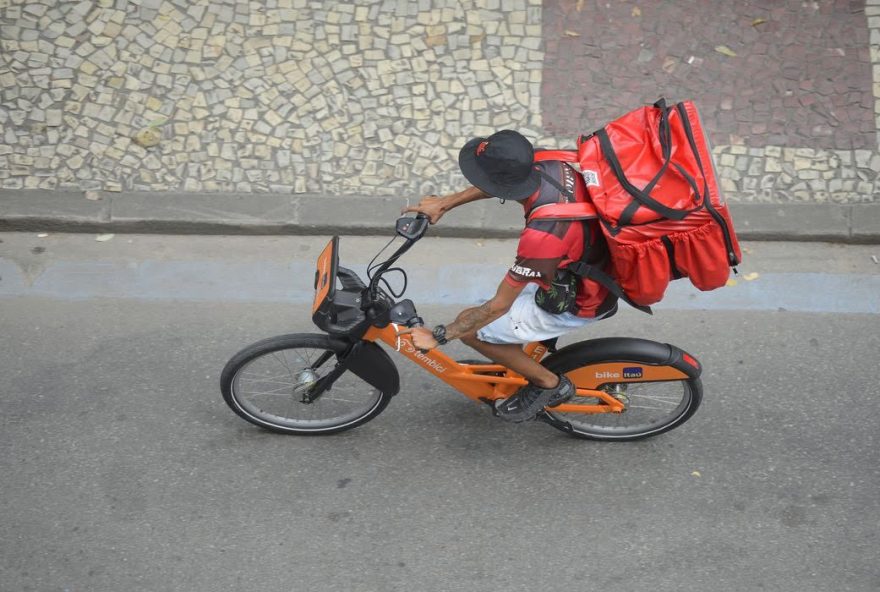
304, 380
618, 391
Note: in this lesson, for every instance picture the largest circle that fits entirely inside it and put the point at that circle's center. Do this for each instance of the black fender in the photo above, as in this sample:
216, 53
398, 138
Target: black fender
624, 349
369, 362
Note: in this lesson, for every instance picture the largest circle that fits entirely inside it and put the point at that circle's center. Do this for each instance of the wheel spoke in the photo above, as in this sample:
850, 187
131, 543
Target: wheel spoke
277, 393
283, 362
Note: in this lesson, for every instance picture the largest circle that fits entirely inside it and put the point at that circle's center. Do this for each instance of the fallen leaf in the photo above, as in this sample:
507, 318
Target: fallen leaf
758, 21
696, 474
103, 238
579, 6
43, 235
636, 11
724, 50
572, 33
751, 276
731, 283
669, 65
147, 137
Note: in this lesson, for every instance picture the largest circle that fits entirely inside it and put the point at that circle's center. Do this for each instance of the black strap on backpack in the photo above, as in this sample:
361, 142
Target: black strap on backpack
583, 267
595, 274
556, 184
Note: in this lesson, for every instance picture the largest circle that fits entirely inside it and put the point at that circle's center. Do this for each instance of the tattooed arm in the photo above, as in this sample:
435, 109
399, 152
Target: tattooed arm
470, 319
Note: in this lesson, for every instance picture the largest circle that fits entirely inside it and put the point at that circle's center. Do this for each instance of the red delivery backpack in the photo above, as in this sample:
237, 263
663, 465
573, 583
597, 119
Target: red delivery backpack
651, 178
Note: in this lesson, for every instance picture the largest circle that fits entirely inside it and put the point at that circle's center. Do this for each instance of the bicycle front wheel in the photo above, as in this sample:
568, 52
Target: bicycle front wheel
266, 384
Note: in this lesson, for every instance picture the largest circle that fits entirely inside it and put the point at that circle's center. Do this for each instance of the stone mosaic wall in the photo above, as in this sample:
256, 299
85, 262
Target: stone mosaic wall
375, 97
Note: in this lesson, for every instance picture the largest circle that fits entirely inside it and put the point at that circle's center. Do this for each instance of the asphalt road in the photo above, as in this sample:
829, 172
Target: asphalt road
122, 469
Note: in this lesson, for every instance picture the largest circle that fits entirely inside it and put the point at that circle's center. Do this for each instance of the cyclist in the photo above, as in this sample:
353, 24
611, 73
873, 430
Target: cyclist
503, 166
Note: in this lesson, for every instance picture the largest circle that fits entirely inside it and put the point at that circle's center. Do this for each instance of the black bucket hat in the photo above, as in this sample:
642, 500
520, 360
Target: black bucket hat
502, 165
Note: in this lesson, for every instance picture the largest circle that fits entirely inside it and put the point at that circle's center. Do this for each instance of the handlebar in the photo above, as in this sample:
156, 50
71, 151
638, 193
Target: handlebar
357, 306
412, 229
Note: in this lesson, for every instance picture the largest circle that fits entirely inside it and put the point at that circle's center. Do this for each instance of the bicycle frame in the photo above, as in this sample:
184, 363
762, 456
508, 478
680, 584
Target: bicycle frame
480, 382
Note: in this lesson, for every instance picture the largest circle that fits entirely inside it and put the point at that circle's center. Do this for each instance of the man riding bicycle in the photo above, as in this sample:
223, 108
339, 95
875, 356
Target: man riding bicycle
503, 166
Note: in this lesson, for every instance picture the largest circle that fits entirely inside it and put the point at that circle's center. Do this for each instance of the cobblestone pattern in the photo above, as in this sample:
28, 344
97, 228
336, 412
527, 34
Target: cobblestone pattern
872, 10
786, 73
780, 175
784, 90
376, 97
373, 97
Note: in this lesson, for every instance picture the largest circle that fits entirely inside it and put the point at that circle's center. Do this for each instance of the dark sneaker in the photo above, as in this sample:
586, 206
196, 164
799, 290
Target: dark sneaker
528, 401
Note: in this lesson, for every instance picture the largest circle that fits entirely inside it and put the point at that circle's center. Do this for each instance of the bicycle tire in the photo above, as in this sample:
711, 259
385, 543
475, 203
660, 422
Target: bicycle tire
285, 380
614, 426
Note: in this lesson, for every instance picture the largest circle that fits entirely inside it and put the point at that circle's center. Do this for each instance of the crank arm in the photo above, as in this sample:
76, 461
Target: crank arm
556, 423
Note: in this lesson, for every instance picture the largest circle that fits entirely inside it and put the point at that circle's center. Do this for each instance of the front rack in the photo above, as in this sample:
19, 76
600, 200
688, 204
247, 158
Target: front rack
341, 311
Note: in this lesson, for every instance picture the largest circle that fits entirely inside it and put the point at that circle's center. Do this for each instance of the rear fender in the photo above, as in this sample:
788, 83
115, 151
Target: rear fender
611, 350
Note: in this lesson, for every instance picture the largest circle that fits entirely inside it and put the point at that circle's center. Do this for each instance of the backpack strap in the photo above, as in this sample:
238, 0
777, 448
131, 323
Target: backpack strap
592, 272
561, 155
549, 178
566, 211
567, 156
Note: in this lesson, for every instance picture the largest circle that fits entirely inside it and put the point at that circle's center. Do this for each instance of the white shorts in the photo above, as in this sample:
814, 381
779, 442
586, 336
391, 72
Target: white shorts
525, 322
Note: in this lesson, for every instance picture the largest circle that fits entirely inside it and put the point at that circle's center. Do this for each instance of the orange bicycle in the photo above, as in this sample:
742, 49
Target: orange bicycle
328, 382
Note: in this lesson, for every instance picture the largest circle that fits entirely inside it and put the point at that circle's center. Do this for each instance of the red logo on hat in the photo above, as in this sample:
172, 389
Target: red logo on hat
482, 148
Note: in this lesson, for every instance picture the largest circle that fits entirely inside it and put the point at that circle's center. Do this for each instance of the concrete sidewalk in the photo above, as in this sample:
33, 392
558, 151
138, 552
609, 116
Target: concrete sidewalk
231, 213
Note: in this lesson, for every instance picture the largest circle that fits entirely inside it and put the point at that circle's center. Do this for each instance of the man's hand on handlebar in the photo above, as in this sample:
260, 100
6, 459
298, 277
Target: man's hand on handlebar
422, 338
434, 206
431, 206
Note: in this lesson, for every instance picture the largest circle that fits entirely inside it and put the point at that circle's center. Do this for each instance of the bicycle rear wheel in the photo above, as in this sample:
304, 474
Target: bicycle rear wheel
265, 384
651, 406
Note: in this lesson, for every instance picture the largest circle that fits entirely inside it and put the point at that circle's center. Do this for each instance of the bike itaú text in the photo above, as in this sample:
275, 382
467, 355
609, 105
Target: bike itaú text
322, 383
